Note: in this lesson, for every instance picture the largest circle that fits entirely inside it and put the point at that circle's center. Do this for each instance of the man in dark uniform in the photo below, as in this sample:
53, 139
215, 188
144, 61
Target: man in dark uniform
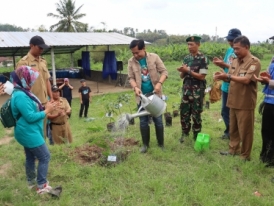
267, 131
193, 71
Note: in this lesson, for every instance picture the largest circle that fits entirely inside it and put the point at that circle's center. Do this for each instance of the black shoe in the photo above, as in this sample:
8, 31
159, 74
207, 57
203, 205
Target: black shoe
143, 149
182, 139
195, 134
225, 136
162, 147
225, 153
269, 165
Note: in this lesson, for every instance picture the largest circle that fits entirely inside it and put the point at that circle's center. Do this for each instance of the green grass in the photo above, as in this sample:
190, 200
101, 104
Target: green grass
177, 176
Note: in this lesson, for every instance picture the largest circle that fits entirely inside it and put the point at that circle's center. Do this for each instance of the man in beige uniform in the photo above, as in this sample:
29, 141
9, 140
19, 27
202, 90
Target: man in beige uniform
242, 98
42, 86
60, 128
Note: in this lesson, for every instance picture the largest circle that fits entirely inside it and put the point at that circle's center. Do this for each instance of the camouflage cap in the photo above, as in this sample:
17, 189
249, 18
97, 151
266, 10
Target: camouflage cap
194, 39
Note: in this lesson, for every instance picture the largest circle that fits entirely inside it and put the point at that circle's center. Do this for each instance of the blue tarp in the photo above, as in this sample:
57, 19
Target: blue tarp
86, 63
3, 78
67, 73
110, 65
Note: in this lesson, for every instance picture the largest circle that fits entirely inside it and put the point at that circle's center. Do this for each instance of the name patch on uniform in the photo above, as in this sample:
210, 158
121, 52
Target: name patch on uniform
252, 67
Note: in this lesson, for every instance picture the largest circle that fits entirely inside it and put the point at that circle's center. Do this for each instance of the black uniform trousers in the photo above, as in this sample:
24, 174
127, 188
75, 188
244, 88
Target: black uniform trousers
267, 153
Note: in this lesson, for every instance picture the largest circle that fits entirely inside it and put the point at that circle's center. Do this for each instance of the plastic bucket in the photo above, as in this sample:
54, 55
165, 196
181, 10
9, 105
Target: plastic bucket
202, 142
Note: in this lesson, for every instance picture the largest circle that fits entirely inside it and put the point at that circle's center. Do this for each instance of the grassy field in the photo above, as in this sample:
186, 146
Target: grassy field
177, 176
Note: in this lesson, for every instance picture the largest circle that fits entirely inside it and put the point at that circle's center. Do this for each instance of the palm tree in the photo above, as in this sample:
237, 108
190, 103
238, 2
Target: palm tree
68, 18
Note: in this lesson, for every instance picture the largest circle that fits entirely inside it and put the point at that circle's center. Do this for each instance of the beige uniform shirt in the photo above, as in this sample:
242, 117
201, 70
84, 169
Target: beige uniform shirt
243, 96
39, 88
155, 66
62, 105
61, 133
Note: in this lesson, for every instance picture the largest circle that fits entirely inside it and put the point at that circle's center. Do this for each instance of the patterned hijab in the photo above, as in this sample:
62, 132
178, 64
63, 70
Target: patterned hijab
23, 78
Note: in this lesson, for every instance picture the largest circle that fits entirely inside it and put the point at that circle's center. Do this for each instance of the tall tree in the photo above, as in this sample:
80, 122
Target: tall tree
68, 17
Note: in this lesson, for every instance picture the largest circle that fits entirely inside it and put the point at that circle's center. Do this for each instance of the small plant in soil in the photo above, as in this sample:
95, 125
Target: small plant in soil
110, 111
175, 107
168, 117
125, 99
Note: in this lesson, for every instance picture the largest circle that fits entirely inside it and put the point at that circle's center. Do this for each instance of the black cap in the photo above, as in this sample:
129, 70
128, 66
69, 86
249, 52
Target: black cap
233, 34
82, 80
55, 88
39, 41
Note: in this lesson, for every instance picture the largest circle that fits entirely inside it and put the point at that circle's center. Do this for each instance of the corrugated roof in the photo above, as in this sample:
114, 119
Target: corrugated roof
17, 43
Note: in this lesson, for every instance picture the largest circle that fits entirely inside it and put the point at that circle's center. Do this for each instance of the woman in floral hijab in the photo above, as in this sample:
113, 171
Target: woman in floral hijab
28, 111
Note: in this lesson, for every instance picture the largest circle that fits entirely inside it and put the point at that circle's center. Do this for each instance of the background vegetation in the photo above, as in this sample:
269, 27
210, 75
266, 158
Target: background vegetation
177, 176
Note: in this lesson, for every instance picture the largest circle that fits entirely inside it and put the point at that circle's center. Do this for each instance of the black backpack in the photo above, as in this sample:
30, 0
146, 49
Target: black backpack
6, 116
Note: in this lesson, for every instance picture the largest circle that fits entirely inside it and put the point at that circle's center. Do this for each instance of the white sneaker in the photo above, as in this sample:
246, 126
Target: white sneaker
46, 188
32, 184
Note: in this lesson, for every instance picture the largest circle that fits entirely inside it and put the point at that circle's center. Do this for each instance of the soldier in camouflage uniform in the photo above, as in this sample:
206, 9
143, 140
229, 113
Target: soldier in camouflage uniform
193, 71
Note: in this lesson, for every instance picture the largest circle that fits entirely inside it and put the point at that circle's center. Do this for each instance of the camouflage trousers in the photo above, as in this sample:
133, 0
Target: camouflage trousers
191, 105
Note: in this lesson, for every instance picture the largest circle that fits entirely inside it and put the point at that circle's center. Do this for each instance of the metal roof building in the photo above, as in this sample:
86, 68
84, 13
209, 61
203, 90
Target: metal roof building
17, 43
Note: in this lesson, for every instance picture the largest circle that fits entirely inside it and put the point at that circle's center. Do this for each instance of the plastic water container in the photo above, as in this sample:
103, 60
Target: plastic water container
202, 142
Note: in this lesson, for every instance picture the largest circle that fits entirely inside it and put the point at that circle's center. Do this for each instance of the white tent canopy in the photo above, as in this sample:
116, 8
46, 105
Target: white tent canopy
17, 43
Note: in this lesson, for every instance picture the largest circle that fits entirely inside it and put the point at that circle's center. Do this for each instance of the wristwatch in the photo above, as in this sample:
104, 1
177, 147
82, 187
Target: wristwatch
228, 77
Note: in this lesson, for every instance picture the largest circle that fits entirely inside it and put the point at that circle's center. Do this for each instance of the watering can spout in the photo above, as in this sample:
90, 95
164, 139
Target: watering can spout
139, 114
152, 105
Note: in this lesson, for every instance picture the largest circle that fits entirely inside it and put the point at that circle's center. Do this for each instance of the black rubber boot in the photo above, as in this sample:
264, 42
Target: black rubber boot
145, 133
195, 134
182, 139
160, 136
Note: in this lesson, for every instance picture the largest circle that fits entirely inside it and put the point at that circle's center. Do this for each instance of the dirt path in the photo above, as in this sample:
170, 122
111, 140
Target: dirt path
96, 88
5, 140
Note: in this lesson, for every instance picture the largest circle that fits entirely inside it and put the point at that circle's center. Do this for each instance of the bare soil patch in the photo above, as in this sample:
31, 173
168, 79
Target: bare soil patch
125, 142
5, 140
92, 154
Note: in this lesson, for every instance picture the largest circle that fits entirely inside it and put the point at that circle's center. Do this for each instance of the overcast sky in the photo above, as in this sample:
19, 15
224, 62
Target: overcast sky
253, 17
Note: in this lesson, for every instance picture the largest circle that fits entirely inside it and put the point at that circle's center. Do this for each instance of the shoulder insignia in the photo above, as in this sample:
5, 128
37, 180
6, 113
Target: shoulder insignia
252, 67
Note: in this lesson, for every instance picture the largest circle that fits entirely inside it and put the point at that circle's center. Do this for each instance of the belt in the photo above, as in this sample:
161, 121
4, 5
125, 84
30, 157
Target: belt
58, 123
192, 83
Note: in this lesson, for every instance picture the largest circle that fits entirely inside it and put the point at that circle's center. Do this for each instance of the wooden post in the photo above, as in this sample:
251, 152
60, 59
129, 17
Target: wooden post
71, 60
13, 58
53, 66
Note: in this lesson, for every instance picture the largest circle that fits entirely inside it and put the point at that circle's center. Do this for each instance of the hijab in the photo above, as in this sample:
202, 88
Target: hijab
23, 79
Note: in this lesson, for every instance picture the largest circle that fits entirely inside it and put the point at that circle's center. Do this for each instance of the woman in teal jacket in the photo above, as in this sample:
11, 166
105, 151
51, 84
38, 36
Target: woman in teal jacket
30, 114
